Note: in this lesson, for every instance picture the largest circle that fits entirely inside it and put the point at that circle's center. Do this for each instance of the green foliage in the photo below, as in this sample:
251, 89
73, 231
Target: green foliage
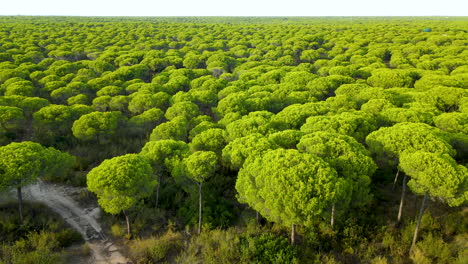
188, 110
40, 238
355, 124
163, 153
100, 126
240, 88
294, 116
254, 122
157, 249
117, 231
388, 143
20, 254
453, 122
199, 166
228, 246
437, 175
202, 126
11, 120
216, 246
58, 165
267, 248
10, 117
387, 78
22, 163
141, 102
121, 181
287, 138
237, 151
214, 139
143, 123
175, 129
349, 158
288, 187
391, 116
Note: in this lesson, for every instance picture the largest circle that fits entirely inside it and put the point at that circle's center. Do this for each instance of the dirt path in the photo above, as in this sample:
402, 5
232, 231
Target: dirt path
83, 220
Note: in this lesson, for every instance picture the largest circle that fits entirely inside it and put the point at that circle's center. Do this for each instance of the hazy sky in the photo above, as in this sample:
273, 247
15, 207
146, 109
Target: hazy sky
236, 7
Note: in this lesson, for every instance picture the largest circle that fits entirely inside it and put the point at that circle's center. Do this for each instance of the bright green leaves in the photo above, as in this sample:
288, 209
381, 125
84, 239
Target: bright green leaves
437, 175
388, 78
175, 129
254, 122
348, 157
98, 125
213, 139
188, 110
162, 152
388, 143
143, 123
10, 116
55, 120
22, 163
453, 122
238, 150
391, 116
294, 116
141, 102
355, 124
286, 186
121, 182
200, 165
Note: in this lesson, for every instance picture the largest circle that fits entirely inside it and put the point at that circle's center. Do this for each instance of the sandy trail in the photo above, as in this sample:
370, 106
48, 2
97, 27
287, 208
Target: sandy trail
83, 220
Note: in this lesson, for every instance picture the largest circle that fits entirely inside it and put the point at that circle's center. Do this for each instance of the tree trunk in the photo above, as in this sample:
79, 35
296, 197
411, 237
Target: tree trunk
396, 179
257, 217
20, 203
199, 207
416, 230
157, 190
28, 131
128, 223
293, 234
403, 192
332, 218
415, 206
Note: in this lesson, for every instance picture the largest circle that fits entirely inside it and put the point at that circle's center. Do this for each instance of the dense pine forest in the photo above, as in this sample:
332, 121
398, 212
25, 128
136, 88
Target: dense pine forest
236, 139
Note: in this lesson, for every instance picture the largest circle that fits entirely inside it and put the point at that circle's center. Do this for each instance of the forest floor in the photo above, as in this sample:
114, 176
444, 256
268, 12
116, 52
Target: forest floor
83, 220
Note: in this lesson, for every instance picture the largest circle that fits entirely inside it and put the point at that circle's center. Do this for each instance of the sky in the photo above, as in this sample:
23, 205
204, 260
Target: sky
235, 7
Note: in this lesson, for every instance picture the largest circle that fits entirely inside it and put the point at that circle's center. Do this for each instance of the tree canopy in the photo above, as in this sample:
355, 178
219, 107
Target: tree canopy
121, 182
288, 187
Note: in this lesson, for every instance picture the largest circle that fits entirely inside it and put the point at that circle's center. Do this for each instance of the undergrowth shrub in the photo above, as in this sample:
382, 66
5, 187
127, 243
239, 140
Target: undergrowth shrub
232, 246
118, 231
267, 248
156, 249
212, 247
433, 250
39, 248
39, 239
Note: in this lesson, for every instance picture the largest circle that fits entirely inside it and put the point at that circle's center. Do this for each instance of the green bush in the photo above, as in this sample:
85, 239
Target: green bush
38, 218
39, 248
212, 247
67, 237
455, 223
156, 249
267, 248
37, 257
44, 241
434, 249
118, 231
